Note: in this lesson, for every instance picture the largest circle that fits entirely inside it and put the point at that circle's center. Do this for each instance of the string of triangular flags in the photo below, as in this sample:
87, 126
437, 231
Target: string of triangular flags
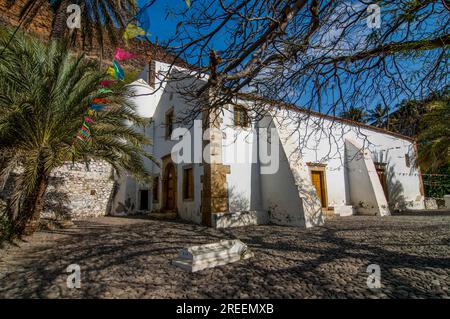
84, 134
116, 72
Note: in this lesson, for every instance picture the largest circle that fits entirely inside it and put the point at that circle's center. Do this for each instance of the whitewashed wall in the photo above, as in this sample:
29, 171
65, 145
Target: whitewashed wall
280, 196
319, 140
240, 152
153, 103
323, 140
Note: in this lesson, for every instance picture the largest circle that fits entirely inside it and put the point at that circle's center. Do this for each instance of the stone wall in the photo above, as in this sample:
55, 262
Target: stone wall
41, 25
79, 191
75, 191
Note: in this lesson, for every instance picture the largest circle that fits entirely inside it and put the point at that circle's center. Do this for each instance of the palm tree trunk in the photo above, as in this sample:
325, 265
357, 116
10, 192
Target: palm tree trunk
59, 27
34, 207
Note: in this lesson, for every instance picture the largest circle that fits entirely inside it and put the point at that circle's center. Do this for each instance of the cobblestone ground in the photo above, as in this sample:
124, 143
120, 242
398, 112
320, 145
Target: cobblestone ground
130, 258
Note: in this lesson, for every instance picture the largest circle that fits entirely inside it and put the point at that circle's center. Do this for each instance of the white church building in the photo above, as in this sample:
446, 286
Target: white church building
288, 167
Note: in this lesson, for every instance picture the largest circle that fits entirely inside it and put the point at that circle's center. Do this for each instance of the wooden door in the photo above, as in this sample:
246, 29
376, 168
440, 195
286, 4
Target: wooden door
318, 182
170, 189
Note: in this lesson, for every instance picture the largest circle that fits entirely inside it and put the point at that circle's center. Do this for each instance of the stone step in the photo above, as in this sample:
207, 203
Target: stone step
211, 255
193, 266
205, 252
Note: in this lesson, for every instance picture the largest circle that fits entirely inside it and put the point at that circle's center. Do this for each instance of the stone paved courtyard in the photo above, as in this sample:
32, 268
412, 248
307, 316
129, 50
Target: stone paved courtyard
130, 258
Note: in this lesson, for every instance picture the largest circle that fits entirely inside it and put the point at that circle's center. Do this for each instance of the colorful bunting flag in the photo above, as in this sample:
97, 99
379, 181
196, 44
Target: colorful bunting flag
120, 74
85, 133
97, 107
89, 120
80, 137
104, 91
122, 55
85, 127
110, 71
98, 100
116, 71
132, 31
106, 83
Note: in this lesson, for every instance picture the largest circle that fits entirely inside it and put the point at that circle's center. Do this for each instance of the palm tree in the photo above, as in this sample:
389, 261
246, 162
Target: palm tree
379, 116
434, 136
354, 114
405, 120
45, 94
96, 15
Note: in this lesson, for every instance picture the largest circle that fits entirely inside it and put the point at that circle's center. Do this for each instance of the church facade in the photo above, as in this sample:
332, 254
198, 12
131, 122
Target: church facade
288, 167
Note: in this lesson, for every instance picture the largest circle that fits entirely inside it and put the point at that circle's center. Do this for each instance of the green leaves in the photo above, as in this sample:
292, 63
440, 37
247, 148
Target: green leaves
355, 114
45, 94
434, 137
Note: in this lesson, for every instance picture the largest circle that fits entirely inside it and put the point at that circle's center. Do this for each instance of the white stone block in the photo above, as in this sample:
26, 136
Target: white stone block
447, 201
201, 257
344, 210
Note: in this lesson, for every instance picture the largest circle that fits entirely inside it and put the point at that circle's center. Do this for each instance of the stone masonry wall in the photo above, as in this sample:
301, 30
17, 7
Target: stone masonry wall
41, 25
75, 191
79, 191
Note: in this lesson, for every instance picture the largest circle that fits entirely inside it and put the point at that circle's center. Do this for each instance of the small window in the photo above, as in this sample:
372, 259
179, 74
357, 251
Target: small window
143, 200
407, 160
169, 124
155, 189
188, 183
240, 117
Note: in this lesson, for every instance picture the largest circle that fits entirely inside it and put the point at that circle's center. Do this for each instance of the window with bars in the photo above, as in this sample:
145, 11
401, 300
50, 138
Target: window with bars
240, 117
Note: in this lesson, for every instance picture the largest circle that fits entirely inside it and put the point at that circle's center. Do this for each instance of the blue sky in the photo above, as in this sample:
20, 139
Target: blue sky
161, 25
155, 21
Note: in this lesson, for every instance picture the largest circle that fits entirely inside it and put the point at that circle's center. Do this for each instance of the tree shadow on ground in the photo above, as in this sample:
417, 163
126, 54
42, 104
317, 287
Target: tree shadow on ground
131, 258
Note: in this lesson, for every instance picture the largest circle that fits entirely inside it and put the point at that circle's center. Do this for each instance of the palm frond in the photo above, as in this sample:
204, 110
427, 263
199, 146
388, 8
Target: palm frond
44, 97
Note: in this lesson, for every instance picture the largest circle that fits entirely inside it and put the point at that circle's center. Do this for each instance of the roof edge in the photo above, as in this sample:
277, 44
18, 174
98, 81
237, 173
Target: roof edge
325, 116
